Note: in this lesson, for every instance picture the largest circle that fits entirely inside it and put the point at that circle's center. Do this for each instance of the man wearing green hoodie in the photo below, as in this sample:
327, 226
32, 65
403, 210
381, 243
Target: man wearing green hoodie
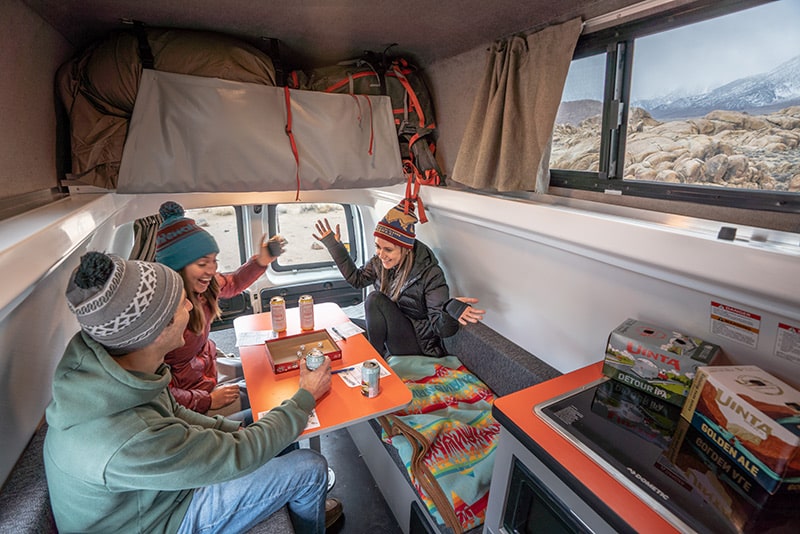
122, 456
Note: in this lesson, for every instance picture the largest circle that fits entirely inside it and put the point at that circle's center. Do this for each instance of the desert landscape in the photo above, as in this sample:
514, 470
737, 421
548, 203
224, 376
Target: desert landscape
723, 148
296, 225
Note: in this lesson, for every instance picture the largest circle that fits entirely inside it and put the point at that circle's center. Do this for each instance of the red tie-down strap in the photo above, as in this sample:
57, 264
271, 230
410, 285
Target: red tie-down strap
371, 123
293, 143
291, 139
412, 198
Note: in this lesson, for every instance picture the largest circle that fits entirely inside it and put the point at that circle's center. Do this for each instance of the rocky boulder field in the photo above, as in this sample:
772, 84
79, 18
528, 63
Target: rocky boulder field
724, 148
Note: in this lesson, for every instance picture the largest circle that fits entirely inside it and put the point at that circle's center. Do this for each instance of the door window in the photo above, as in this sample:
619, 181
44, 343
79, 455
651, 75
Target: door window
296, 223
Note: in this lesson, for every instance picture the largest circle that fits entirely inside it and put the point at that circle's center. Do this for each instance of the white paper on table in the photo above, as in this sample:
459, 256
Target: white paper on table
344, 330
313, 420
352, 377
256, 337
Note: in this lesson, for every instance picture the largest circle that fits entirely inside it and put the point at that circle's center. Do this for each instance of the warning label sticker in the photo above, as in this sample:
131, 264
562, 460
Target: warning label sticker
787, 343
735, 324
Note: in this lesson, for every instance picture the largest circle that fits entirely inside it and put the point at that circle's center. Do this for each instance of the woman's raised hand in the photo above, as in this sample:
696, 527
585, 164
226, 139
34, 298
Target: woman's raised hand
324, 229
470, 315
270, 249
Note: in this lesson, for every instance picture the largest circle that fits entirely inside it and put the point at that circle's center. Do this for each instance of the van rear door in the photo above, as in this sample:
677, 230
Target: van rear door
305, 268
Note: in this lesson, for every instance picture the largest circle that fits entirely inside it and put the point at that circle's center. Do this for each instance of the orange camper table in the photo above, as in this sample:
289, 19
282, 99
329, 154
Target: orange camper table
344, 405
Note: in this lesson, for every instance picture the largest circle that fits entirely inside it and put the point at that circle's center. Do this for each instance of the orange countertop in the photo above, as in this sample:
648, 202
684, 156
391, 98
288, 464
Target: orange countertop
343, 405
518, 409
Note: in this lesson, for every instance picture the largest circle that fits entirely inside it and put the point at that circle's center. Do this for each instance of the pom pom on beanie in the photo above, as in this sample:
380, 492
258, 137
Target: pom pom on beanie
94, 271
171, 209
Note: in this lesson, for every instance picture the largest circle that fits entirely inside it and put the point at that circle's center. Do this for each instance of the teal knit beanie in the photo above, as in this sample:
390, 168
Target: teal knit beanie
180, 241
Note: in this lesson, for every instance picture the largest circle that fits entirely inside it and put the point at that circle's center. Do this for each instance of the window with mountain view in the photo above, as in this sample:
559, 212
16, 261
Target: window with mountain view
712, 105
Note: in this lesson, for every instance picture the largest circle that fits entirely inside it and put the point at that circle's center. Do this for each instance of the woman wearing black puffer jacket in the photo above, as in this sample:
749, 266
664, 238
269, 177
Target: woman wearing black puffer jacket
410, 311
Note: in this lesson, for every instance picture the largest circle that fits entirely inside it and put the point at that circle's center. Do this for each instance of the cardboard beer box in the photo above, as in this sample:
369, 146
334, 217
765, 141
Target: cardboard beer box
756, 414
656, 360
730, 468
282, 352
727, 487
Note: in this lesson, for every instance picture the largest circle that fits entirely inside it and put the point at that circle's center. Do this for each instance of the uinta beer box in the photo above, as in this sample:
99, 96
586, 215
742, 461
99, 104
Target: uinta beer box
754, 416
282, 352
730, 467
728, 486
656, 360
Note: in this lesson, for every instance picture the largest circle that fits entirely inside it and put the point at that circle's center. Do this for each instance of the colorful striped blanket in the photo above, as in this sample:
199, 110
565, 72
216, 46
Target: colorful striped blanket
446, 437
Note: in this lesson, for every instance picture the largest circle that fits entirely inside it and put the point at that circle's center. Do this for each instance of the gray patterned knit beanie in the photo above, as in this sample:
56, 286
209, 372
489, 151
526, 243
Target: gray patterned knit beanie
123, 305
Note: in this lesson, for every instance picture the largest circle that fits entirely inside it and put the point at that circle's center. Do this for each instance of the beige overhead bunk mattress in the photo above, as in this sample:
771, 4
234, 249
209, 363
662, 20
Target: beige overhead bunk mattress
189, 133
208, 117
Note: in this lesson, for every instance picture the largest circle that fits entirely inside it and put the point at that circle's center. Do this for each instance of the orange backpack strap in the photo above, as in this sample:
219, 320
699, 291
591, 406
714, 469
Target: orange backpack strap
412, 197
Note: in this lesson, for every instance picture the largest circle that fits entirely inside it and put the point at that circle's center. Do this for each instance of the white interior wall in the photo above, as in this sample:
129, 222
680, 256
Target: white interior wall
35, 322
557, 281
31, 53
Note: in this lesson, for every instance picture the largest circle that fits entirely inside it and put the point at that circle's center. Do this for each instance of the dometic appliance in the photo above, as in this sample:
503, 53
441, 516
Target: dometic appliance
566, 463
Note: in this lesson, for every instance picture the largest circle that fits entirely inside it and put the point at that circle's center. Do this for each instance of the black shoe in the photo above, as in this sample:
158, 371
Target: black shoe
333, 511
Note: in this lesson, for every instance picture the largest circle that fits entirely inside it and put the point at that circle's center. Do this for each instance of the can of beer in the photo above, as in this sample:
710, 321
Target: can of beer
370, 379
314, 359
277, 309
306, 304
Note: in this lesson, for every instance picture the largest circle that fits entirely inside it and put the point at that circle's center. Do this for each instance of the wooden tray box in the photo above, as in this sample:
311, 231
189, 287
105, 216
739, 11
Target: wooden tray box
282, 351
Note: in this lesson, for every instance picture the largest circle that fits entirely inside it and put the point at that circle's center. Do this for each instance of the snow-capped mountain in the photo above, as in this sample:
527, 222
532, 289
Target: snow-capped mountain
770, 91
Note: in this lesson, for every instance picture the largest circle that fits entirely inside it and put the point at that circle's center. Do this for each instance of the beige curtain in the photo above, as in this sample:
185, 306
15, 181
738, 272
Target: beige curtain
507, 138
144, 238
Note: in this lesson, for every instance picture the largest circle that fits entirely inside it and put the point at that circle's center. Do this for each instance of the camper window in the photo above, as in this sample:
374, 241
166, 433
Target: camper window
693, 105
295, 222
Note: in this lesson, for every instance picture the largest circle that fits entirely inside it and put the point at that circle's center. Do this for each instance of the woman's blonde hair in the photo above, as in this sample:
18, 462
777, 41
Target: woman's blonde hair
392, 285
197, 319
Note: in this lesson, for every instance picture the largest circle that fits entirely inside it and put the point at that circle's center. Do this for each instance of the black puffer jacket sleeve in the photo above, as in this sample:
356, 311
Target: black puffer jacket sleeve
356, 277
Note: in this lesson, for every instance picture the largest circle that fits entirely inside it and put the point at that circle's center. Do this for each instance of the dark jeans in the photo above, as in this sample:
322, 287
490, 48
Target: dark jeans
388, 328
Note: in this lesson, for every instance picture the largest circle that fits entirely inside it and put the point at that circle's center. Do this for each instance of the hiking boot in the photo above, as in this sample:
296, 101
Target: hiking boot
333, 511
